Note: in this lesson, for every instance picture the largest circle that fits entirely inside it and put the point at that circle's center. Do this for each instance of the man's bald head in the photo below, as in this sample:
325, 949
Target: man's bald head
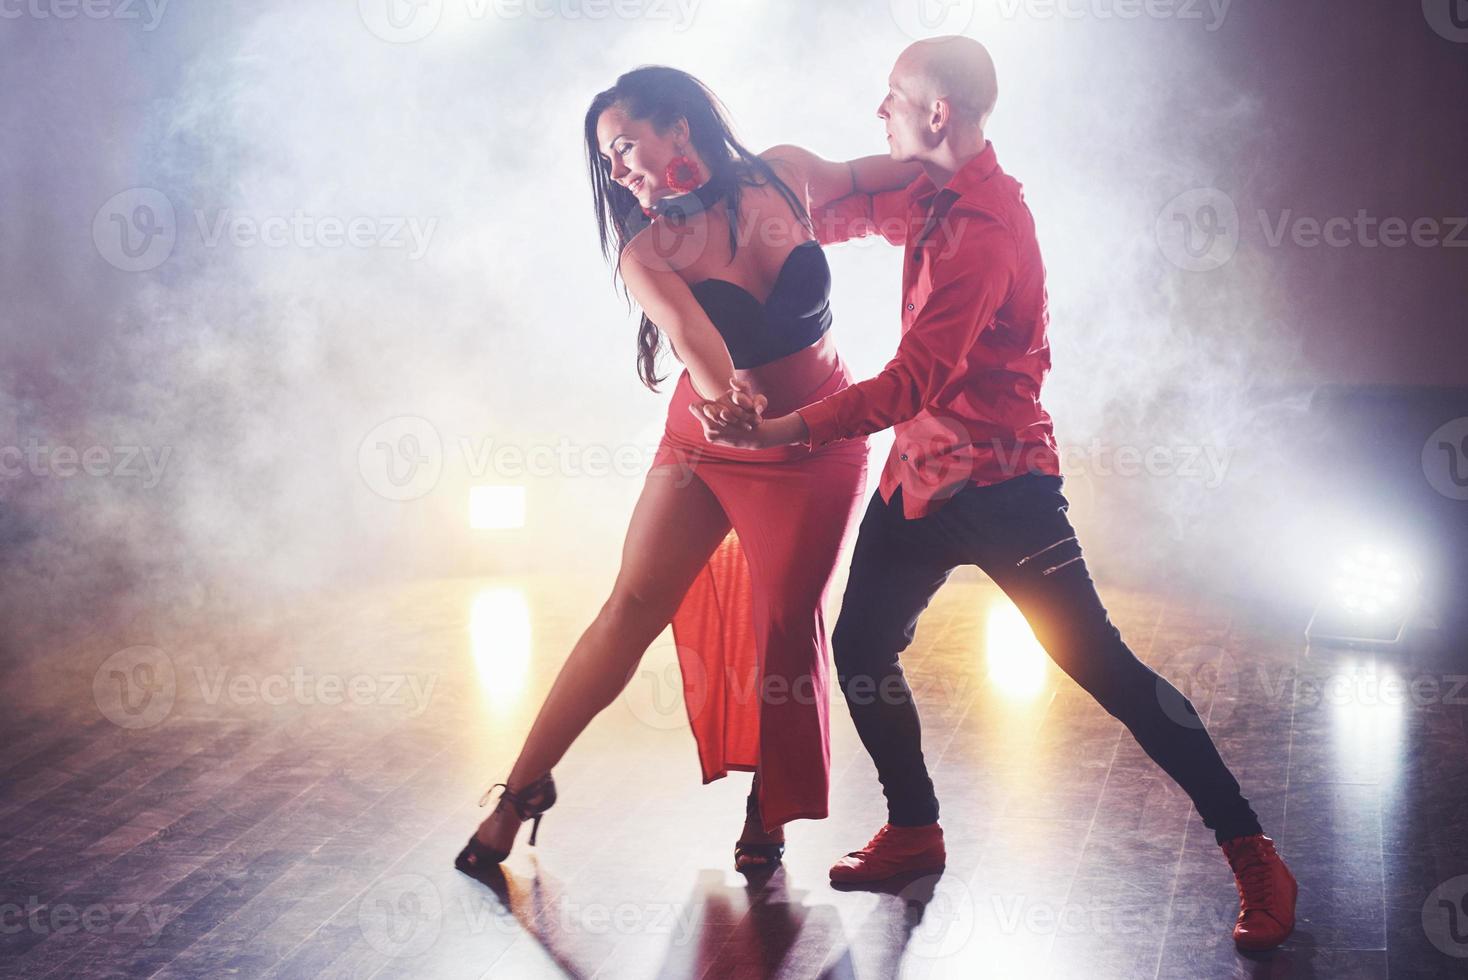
953, 68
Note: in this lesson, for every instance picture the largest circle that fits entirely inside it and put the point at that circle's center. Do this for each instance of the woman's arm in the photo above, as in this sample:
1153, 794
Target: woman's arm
668, 302
823, 181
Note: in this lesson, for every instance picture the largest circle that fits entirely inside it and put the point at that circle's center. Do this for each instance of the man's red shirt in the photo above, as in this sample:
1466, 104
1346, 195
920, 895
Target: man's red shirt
963, 390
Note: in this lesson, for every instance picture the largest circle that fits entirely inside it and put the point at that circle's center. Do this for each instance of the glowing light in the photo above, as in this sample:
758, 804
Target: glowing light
499, 637
1370, 581
1017, 662
496, 508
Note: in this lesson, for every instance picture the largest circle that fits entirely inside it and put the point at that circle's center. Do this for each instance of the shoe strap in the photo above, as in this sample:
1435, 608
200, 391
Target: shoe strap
526, 803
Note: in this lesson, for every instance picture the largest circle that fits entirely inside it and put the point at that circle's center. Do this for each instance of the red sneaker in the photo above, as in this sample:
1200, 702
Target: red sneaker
894, 851
1267, 893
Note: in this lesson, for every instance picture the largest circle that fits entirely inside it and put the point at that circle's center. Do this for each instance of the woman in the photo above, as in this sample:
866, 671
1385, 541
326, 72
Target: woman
734, 548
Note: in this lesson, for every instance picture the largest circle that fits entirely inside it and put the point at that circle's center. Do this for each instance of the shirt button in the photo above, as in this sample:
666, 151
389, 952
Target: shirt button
910, 307
904, 457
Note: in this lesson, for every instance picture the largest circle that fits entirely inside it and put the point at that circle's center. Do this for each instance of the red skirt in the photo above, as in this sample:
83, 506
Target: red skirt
751, 632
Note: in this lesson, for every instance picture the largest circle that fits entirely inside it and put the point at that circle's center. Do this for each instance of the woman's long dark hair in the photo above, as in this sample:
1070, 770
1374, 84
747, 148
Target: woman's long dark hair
663, 96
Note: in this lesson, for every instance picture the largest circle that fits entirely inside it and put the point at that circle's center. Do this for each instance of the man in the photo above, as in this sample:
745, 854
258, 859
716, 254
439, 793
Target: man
974, 478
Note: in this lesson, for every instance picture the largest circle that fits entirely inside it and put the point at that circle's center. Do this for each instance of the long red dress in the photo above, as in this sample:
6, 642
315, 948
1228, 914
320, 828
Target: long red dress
753, 620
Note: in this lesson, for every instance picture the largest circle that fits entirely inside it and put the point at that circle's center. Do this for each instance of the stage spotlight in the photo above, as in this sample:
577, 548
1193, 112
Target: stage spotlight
1370, 599
496, 508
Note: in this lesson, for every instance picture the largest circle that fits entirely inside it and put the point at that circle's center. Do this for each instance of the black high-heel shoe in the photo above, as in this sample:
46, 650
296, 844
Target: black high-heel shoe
529, 804
771, 853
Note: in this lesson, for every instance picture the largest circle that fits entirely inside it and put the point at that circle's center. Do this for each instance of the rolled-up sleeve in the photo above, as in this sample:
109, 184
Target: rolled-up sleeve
971, 276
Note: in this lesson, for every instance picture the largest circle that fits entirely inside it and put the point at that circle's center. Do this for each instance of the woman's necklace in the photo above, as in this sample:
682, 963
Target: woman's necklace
680, 207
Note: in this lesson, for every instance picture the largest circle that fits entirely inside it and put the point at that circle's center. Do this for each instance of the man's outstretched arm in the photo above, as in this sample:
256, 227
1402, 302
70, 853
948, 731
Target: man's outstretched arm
848, 199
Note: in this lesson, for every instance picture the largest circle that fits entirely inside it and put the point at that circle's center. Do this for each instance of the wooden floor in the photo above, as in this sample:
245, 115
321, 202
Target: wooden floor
191, 796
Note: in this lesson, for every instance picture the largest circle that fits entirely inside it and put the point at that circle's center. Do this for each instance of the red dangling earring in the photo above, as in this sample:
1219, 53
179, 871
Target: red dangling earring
682, 174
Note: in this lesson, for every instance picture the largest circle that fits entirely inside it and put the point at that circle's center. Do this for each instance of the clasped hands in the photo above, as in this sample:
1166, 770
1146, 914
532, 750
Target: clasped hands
736, 418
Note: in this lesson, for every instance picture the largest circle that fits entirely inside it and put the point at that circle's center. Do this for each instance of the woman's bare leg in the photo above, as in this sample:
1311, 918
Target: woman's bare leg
675, 527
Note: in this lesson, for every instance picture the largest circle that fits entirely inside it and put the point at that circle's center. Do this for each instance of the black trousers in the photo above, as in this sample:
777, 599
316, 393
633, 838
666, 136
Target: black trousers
1018, 533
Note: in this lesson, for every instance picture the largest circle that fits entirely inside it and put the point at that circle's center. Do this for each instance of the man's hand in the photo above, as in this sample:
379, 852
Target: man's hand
740, 423
783, 431
733, 418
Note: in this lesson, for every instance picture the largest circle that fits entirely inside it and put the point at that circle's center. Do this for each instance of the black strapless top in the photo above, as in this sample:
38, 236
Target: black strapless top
796, 315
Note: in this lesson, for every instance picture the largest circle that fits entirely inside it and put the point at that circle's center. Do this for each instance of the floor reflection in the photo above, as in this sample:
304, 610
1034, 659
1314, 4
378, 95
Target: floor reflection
500, 640
283, 838
1016, 661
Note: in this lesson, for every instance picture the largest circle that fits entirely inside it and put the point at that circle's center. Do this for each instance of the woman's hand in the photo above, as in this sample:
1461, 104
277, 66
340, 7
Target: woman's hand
736, 410
752, 430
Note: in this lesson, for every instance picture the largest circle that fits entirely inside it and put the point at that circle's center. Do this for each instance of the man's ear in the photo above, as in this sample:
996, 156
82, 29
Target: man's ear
941, 115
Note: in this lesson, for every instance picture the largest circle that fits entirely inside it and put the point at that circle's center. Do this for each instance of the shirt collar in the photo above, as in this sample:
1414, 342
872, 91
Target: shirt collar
965, 181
